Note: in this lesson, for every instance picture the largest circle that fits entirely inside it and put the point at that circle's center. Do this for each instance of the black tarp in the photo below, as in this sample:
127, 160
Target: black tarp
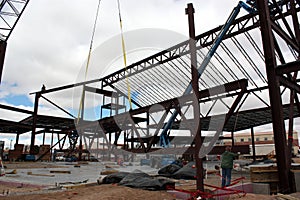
168, 170
138, 179
114, 178
188, 171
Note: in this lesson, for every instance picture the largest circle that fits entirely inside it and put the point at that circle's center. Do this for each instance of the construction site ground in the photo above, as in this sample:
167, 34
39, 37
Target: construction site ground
62, 180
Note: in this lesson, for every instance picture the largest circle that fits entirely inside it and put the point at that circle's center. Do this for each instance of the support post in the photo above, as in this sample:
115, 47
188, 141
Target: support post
80, 148
17, 138
291, 124
34, 120
195, 77
44, 137
53, 156
275, 97
253, 144
109, 146
58, 140
52, 138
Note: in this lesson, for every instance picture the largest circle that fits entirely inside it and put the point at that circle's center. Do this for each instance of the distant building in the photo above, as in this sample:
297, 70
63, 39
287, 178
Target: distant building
261, 139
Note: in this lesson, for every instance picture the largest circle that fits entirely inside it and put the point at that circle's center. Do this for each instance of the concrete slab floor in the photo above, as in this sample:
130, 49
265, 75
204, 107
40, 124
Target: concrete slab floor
88, 172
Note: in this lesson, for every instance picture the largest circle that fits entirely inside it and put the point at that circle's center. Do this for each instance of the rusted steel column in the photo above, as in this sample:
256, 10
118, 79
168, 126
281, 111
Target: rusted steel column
291, 122
253, 144
275, 97
195, 76
34, 120
292, 95
44, 137
17, 138
232, 138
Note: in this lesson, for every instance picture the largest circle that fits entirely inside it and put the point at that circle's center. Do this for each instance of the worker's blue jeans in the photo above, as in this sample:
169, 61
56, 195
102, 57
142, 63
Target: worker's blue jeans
226, 177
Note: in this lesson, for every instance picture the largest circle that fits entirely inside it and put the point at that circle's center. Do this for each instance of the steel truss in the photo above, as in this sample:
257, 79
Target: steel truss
10, 13
136, 125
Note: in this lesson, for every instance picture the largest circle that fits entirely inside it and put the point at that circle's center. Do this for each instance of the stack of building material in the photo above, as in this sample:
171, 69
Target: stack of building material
265, 174
45, 151
16, 154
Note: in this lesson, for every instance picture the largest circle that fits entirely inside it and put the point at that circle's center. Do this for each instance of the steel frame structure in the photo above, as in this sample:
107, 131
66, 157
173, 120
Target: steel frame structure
268, 26
278, 79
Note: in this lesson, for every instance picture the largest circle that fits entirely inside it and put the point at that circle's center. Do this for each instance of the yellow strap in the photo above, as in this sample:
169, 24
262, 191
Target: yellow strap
124, 57
87, 63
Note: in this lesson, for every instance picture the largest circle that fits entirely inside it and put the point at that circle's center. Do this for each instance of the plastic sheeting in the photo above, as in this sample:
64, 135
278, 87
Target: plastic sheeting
188, 171
114, 178
138, 179
169, 170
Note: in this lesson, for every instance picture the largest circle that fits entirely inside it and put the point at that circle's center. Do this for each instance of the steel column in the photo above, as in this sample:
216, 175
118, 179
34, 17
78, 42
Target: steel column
195, 76
293, 95
253, 144
17, 138
275, 97
44, 137
291, 124
52, 156
34, 120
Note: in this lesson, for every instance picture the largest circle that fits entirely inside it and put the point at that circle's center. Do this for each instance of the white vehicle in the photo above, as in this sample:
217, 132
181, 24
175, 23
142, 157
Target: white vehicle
60, 158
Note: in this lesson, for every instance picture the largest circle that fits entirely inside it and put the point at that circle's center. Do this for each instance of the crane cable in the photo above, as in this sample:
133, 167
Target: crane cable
88, 62
124, 56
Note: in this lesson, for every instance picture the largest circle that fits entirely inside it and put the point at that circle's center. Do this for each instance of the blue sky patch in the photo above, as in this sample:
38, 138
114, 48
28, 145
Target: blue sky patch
18, 100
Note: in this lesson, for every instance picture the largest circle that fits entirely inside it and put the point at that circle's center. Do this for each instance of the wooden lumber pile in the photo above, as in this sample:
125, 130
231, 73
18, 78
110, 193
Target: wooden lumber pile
265, 174
16, 154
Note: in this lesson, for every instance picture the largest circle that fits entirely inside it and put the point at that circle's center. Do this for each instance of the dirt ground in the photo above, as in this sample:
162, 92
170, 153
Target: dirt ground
113, 192
109, 192
17, 191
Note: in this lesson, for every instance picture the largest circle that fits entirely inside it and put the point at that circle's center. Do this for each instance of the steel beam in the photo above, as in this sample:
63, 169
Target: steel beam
15, 109
100, 91
289, 83
15, 124
217, 150
284, 36
288, 68
275, 96
51, 102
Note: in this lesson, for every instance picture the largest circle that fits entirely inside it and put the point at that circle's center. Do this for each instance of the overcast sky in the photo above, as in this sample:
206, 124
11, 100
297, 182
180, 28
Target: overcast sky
51, 40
